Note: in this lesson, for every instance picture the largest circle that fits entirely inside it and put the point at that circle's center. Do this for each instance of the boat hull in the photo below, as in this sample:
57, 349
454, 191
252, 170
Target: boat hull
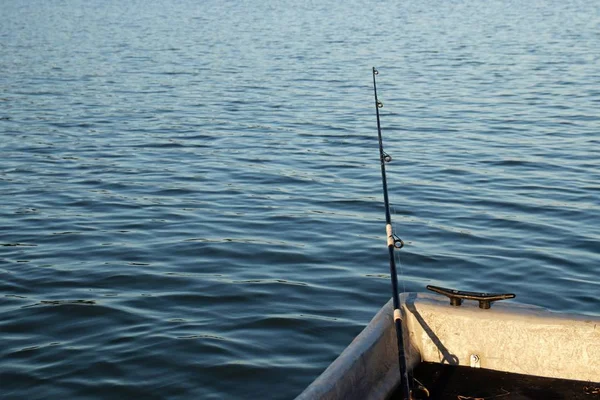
509, 337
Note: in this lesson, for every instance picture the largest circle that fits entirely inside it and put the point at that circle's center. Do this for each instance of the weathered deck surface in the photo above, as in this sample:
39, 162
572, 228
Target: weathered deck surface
446, 382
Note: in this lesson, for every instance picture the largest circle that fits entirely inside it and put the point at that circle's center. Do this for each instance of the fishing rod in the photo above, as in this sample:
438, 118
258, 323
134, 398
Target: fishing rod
393, 242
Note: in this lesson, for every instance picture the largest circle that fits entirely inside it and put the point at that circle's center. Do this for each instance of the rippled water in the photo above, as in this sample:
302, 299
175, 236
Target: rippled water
191, 200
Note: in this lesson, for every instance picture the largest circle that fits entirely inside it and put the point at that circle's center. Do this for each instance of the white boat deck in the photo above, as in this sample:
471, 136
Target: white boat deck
508, 337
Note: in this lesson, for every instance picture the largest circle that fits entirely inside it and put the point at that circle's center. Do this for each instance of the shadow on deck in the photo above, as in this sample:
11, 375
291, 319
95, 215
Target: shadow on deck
450, 382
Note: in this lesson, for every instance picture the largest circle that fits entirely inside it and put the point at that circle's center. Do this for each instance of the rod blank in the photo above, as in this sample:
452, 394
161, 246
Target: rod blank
392, 242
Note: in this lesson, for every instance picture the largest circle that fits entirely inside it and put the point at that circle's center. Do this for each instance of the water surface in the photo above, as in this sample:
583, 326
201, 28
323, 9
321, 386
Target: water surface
191, 199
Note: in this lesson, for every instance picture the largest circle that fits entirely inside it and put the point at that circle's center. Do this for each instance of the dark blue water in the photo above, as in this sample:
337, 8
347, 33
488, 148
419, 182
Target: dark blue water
191, 201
